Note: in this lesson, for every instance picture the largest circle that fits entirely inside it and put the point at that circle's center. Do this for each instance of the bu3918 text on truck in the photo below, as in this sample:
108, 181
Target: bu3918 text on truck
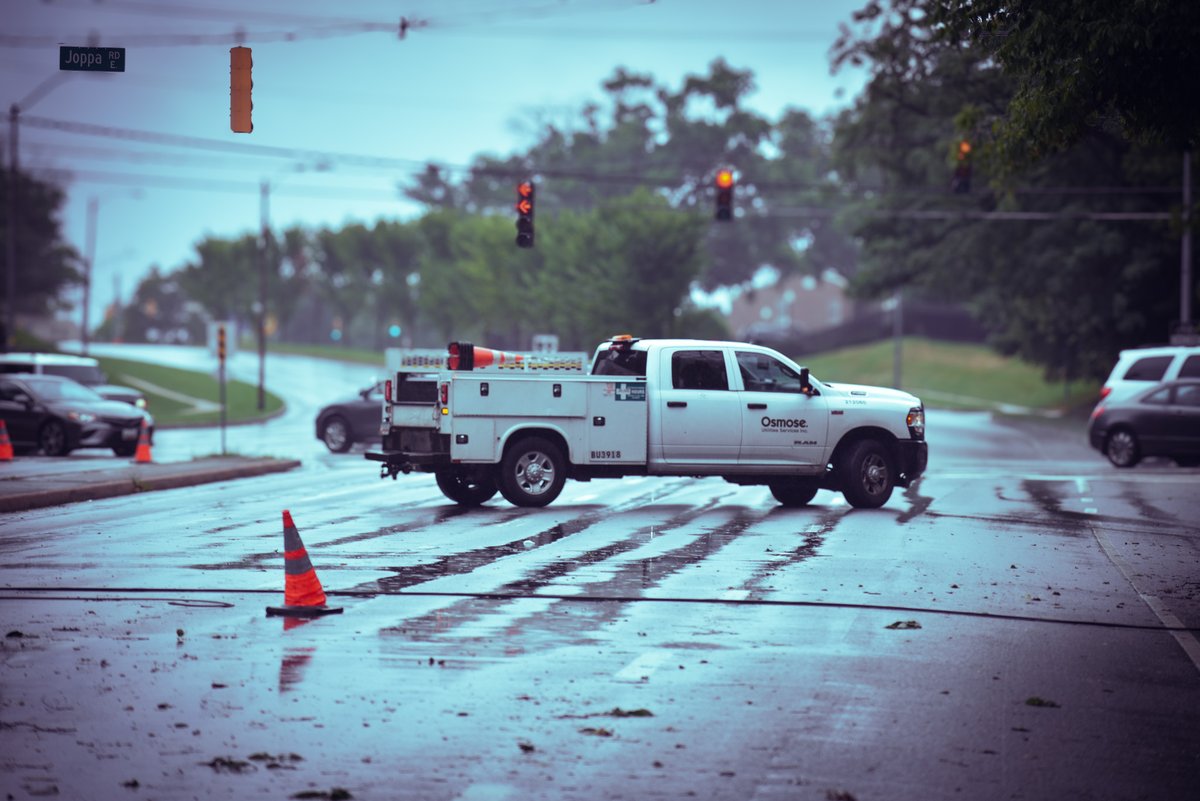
485, 421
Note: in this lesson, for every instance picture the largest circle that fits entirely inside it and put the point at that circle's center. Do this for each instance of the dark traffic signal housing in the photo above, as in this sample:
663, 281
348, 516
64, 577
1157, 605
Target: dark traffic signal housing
240, 86
524, 208
725, 184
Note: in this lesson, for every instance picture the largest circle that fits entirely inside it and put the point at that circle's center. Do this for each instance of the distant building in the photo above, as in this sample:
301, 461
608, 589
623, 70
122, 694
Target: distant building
792, 305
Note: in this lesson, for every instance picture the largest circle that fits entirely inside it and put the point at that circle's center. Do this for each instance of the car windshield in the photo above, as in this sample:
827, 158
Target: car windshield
83, 373
61, 390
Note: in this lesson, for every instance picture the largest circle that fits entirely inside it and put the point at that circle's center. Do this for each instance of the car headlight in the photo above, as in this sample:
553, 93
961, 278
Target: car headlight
916, 422
140, 403
81, 417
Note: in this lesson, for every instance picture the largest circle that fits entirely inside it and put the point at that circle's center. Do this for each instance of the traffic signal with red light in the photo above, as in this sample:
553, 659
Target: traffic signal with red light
960, 184
240, 84
725, 185
524, 208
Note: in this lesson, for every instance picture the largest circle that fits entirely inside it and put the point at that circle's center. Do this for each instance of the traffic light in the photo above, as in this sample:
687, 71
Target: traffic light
240, 85
960, 184
525, 214
221, 343
724, 195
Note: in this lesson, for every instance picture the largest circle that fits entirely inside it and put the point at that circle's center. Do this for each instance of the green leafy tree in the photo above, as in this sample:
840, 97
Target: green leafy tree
223, 278
1127, 68
1065, 291
46, 264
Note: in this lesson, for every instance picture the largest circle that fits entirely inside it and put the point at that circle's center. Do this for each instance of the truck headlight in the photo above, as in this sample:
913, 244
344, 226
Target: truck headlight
916, 422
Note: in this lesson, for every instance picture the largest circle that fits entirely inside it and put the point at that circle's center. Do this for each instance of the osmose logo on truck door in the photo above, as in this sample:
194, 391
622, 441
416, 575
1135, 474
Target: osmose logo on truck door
784, 425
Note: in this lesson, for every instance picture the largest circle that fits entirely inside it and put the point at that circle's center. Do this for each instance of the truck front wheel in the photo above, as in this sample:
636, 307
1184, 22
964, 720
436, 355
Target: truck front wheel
463, 489
866, 474
532, 472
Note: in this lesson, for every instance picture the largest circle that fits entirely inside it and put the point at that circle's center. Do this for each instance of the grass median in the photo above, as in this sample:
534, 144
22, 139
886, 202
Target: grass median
179, 398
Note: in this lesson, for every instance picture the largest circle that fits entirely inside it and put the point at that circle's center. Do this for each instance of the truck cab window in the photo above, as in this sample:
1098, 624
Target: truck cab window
621, 361
762, 373
698, 369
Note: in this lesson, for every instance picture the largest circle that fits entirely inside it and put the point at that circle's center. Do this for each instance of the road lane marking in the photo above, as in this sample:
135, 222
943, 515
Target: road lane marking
1187, 641
735, 595
643, 667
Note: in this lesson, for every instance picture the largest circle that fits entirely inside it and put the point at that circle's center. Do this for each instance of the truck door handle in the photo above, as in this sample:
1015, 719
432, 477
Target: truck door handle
756, 405
676, 404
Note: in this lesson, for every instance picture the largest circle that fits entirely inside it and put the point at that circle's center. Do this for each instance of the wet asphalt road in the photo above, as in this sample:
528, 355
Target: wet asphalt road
995, 632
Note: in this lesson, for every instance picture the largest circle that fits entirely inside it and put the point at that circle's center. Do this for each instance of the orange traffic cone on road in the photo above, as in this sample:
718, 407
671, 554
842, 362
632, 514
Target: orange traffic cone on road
6, 449
302, 593
142, 455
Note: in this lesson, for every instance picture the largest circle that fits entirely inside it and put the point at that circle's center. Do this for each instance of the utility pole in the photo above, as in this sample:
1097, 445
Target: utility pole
93, 208
10, 278
264, 207
1185, 272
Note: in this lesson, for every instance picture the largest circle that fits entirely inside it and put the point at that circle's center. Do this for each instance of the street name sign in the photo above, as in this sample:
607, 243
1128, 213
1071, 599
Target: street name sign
91, 59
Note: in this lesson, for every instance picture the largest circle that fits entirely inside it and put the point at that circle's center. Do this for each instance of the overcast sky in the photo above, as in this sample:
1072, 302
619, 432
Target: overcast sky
469, 77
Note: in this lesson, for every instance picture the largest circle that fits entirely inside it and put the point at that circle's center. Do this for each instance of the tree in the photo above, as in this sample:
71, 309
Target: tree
1066, 292
46, 264
672, 142
1079, 66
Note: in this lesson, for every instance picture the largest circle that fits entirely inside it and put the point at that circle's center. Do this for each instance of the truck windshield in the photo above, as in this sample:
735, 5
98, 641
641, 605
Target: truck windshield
620, 362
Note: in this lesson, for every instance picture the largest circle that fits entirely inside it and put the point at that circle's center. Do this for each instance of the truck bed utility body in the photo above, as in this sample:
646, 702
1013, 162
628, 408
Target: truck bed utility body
485, 421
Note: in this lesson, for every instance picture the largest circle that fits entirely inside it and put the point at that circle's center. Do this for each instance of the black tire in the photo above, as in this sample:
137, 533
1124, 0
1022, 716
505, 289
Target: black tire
794, 493
464, 490
336, 434
1122, 448
52, 439
532, 472
866, 474
125, 449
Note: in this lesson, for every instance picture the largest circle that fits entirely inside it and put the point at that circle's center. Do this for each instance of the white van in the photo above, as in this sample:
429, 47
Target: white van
1142, 368
83, 369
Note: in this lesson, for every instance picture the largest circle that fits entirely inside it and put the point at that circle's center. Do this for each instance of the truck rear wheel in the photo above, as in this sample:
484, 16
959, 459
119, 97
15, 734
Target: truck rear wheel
794, 493
866, 474
532, 472
463, 489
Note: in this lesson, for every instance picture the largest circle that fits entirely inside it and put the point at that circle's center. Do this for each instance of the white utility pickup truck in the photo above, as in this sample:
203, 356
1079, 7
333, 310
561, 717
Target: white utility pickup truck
483, 420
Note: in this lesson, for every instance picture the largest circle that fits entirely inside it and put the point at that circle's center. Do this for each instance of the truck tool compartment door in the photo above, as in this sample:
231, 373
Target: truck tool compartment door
780, 424
699, 418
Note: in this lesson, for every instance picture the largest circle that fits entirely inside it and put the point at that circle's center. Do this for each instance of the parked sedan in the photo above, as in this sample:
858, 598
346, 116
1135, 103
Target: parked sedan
58, 415
340, 425
1161, 421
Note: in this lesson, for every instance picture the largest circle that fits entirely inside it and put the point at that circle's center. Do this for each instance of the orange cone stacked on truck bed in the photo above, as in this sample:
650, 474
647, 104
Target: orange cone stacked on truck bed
302, 593
465, 356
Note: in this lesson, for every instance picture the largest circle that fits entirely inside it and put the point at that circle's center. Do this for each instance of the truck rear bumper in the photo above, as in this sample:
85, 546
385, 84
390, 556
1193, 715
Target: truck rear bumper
912, 456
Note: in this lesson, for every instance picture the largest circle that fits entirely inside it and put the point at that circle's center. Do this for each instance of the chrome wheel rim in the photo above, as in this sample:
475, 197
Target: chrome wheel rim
535, 473
874, 475
336, 435
1121, 447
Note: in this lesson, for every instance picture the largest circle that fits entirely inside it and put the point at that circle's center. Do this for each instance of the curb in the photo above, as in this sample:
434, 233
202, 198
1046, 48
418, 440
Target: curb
143, 478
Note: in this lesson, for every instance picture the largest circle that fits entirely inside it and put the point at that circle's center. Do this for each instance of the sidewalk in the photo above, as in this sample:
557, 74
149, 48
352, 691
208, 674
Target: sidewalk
35, 482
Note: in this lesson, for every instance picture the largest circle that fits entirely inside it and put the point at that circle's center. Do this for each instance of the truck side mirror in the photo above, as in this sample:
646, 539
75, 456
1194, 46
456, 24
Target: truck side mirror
805, 385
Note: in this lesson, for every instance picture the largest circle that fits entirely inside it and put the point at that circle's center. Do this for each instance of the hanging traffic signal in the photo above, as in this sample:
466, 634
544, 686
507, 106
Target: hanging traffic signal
524, 208
724, 195
960, 183
240, 84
